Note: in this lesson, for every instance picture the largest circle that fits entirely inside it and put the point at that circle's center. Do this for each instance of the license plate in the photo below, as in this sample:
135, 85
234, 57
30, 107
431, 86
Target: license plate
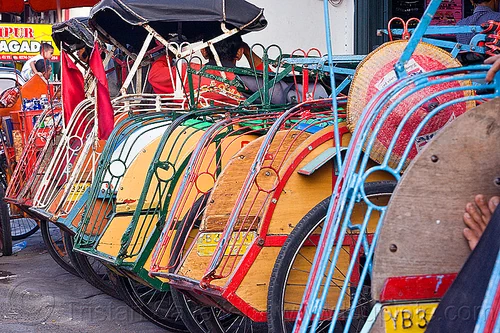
207, 243
77, 191
408, 318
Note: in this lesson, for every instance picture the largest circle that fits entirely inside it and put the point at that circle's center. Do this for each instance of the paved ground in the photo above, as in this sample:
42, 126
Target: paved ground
36, 295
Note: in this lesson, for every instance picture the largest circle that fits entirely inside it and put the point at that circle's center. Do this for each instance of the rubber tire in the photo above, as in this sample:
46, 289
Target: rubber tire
5, 231
126, 289
291, 247
68, 266
86, 271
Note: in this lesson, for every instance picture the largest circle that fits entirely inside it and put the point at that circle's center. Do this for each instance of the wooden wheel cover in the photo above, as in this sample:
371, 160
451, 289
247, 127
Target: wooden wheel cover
424, 217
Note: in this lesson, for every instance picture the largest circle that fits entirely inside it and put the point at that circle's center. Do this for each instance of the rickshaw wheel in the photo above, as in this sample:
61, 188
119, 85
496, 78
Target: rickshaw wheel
22, 227
191, 312
91, 269
206, 319
5, 231
157, 306
291, 253
233, 323
53, 238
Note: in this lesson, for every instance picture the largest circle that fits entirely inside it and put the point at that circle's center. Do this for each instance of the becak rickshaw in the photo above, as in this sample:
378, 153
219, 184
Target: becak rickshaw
62, 184
30, 118
39, 149
55, 163
167, 118
406, 263
105, 243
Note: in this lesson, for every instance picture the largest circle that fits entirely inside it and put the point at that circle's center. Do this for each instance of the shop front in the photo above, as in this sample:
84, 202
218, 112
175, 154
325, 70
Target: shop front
371, 15
20, 42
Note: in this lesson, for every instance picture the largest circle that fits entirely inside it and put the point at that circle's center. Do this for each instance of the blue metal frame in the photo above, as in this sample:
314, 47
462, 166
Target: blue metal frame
454, 47
350, 184
349, 188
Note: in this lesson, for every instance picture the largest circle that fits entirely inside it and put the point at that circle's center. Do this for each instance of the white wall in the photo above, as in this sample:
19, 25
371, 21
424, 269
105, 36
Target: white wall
79, 12
296, 24
300, 24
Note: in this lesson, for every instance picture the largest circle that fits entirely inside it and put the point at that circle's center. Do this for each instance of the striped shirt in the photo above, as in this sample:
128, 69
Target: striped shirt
482, 14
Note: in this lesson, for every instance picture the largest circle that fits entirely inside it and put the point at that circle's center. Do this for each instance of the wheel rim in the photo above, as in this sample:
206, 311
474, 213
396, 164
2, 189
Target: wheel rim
232, 323
157, 305
303, 265
22, 227
57, 242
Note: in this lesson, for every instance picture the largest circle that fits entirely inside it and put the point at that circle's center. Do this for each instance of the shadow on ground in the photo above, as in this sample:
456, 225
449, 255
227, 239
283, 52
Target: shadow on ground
36, 295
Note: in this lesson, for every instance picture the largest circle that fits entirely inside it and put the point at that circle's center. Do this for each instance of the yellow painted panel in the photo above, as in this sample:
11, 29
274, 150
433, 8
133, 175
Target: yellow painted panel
166, 257
177, 147
408, 318
194, 266
111, 240
254, 286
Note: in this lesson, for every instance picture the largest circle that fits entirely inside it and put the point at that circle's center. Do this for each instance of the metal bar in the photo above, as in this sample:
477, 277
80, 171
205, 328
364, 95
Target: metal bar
344, 84
437, 30
137, 63
329, 48
337, 59
319, 161
115, 42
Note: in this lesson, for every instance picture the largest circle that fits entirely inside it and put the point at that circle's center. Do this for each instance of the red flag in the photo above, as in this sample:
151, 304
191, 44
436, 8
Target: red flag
105, 112
73, 91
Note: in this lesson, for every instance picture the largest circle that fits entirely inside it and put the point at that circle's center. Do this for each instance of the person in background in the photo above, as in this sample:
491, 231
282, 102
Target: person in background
43, 67
28, 70
484, 11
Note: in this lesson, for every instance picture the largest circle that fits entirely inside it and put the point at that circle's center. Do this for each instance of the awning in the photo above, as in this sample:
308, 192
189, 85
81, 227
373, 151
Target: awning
122, 19
73, 33
44, 5
11, 6
17, 6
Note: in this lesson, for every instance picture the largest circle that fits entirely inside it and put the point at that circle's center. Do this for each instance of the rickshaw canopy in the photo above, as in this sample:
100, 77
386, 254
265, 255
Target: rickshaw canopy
73, 34
122, 19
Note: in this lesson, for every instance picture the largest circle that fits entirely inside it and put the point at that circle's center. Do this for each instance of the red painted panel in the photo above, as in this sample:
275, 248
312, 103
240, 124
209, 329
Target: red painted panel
416, 287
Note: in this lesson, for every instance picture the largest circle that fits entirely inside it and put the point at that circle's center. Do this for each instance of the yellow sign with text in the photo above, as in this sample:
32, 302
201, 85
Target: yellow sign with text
408, 318
20, 42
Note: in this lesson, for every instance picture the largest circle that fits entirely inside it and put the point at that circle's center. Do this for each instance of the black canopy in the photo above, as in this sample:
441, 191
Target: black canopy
121, 19
74, 34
